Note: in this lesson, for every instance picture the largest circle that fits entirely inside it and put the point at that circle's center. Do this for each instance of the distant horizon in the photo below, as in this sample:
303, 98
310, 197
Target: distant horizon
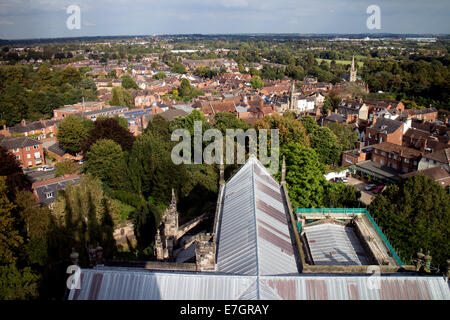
54, 19
370, 35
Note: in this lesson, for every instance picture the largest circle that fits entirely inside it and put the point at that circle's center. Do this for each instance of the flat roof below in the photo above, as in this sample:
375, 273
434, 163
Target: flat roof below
334, 244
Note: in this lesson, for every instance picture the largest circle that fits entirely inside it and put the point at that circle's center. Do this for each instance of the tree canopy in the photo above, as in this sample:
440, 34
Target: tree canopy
415, 213
72, 132
108, 129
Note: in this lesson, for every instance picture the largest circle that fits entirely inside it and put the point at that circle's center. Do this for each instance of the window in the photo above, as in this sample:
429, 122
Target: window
30, 163
28, 156
18, 157
406, 160
415, 163
49, 195
28, 148
376, 151
389, 155
394, 165
395, 157
16, 149
383, 153
36, 147
382, 162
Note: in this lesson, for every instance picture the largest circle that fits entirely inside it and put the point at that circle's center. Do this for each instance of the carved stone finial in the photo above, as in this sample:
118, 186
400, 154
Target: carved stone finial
74, 257
99, 255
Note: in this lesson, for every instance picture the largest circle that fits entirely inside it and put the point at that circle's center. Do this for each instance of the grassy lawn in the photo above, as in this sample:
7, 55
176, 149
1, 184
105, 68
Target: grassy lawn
359, 63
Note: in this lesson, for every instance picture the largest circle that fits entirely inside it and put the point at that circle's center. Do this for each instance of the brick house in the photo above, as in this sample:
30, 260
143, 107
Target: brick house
46, 191
354, 107
39, 130
376, 106
396, 157
351, 157
77, 108
429, 114
385, 130
28, 151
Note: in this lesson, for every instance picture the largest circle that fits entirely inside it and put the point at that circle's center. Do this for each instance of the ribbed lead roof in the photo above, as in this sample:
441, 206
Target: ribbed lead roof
254, 237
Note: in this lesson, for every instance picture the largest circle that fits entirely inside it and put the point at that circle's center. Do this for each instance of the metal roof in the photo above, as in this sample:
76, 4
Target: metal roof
140, 284
254, 261
334, 244
254, 237
136, 284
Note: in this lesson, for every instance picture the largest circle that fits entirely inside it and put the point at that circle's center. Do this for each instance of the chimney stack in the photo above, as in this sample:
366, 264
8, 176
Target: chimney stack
329, 112
23, 122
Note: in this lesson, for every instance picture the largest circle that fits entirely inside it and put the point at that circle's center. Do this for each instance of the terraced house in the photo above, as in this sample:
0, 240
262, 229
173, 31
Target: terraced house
29, 152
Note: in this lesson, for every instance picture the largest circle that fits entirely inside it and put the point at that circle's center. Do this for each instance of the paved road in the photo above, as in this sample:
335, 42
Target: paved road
366, 196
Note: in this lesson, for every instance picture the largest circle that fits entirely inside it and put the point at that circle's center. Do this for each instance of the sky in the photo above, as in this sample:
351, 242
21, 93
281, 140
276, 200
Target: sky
29, 19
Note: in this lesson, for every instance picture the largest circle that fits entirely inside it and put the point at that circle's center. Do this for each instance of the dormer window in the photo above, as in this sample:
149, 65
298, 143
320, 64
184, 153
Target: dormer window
49, 195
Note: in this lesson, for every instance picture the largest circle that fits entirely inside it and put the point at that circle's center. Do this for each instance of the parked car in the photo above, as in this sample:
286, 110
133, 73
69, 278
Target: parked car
47, 168
378, 189
344, 179
26, 171
80, 162
370, 187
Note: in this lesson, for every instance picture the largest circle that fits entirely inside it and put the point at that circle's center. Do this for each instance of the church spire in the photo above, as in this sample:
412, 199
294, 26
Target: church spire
353, 72
173, 203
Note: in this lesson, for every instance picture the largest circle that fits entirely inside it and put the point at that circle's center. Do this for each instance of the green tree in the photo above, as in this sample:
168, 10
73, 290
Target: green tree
121, 97
326, 145
146, 219
347, 137
128, 83
159, 76
11, 169
72, 131
304, 176
66, 166
109, 129
10, 239
309, 123
151, 170
80, 212
105, 160
178, 68
415, 213
331, 102
17, 284
340, 195
227, 120
256, 82
290, 129
35, 220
